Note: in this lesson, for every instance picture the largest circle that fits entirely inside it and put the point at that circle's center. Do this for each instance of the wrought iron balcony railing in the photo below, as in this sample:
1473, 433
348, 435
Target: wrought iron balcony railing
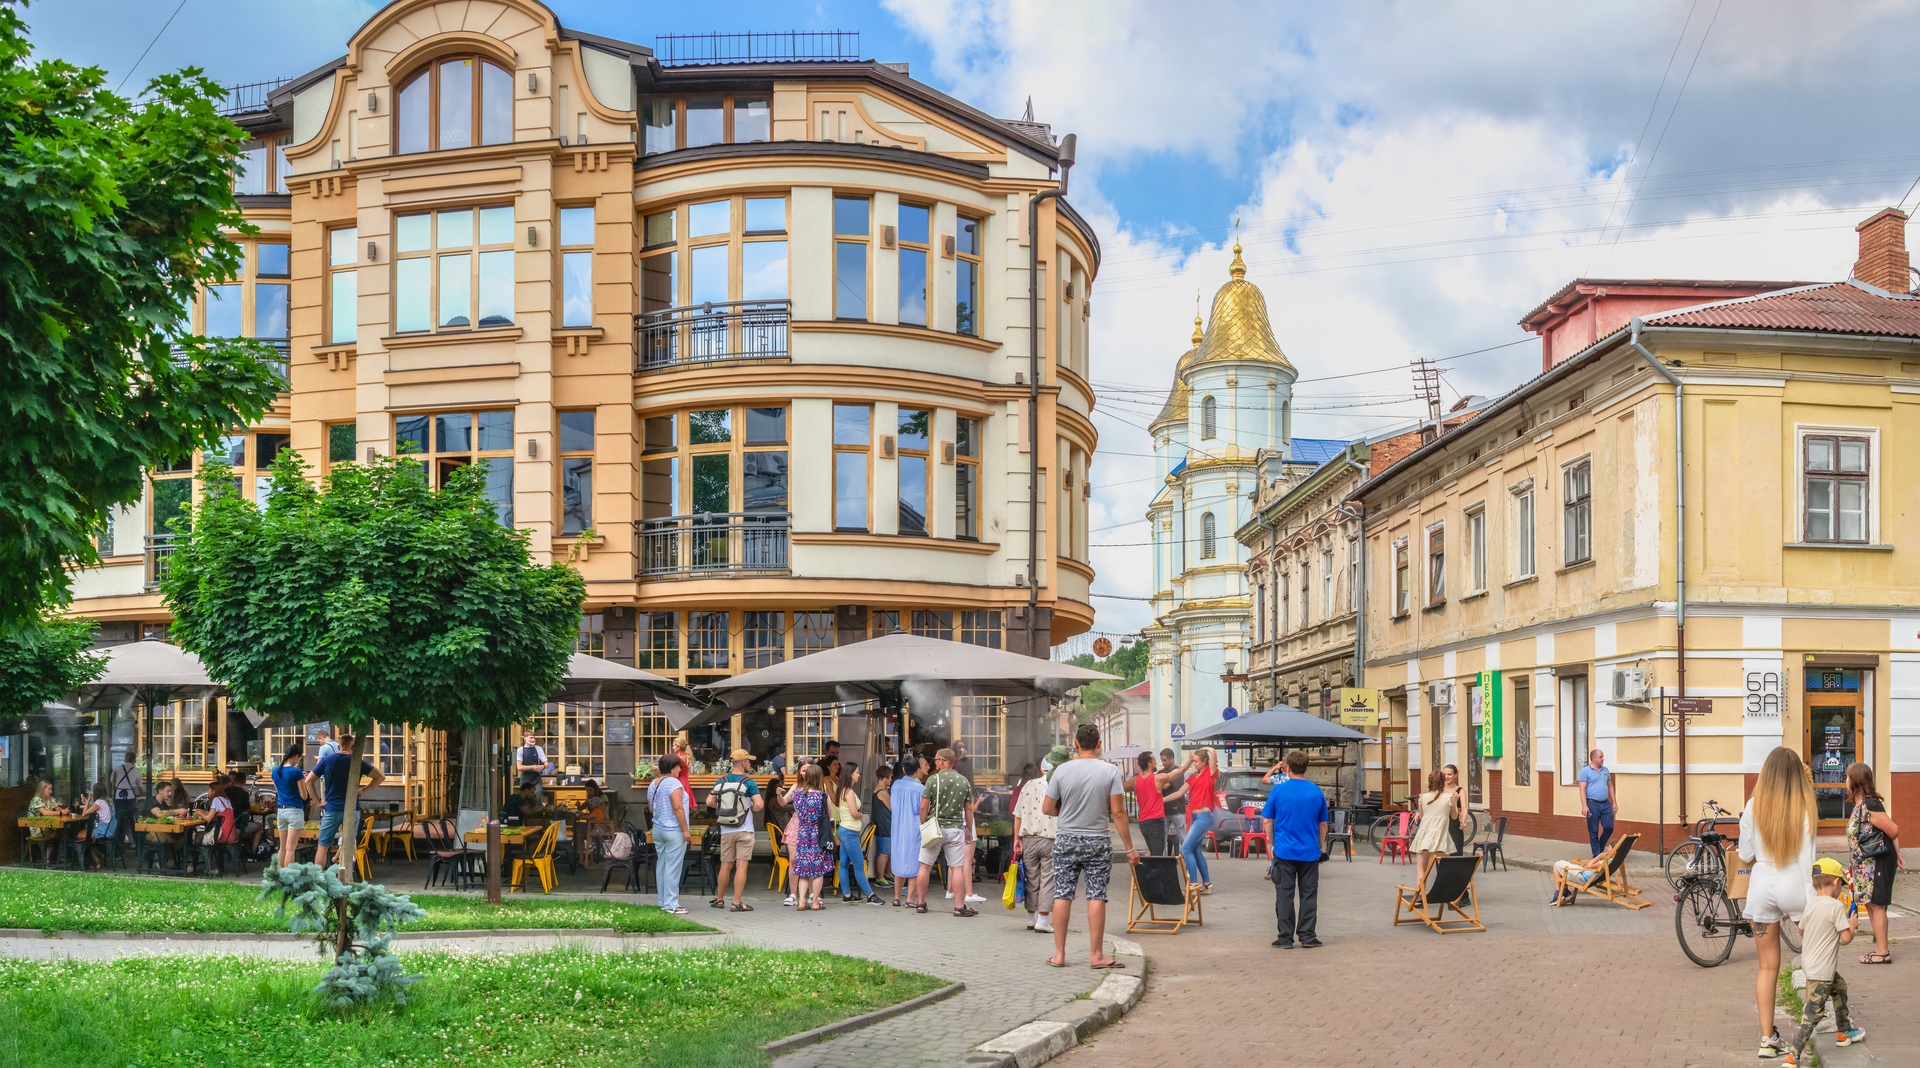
675, 338
730, 543
159, 550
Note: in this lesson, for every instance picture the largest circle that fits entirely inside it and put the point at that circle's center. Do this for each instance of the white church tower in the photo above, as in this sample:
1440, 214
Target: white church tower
1232, 395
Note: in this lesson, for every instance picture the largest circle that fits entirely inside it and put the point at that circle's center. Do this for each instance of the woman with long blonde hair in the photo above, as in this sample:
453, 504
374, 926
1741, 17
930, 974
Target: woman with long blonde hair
1777, 838
1439, 806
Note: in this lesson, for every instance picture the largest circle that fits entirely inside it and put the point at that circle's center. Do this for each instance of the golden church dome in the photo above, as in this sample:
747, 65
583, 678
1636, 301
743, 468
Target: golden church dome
1239, 328
1176, 406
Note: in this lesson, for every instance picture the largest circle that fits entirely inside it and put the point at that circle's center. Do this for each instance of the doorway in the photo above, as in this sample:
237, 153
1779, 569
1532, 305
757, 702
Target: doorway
1835, 735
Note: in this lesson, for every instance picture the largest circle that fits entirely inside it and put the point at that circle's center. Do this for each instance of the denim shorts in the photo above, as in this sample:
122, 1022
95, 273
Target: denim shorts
288, 818
884, 845
330, 826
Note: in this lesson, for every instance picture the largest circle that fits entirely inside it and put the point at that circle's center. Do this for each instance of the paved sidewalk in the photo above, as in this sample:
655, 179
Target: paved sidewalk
1593, 983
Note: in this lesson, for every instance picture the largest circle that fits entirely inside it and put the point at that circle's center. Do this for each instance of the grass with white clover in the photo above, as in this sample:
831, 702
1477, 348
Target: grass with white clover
560, 1008
72, 901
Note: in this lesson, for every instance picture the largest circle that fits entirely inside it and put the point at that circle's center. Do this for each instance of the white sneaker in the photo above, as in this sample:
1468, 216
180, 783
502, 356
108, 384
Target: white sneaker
973, 897
1044, 926
949, 895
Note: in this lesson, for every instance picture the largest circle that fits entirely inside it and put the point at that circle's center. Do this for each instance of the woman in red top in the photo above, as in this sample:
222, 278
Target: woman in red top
1145, 785
1202, 813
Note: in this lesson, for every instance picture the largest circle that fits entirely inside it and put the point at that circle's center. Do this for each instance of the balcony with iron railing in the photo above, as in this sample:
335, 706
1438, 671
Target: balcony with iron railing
790, 46
714, 544
159, 549
240, 99
674, 339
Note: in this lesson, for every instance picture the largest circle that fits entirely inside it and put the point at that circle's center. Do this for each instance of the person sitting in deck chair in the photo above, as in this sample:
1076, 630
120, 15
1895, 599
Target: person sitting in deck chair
1581, 873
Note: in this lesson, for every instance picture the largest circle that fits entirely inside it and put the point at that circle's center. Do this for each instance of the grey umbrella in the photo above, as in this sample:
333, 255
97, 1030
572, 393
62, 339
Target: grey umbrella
593, 678
1280, 725
893, 670
150, 673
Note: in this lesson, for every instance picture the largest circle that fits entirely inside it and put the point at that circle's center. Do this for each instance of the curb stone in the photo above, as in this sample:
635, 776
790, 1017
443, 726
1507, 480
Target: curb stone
855, 1023
1041, 1040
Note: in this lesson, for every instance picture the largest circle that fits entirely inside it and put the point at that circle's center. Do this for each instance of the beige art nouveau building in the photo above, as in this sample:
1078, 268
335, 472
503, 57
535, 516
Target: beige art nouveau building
749, 337
1533, 566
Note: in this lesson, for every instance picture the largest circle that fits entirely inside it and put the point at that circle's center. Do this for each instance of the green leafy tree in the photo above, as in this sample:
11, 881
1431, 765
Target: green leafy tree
371, 597
42, 658
1129, 662
111, 215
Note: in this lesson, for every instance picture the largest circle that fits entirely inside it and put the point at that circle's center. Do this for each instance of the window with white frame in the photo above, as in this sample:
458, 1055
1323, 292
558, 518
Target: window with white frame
1402, 579
1260, 614
1306, 594
1326, 583
1436, 564
1353, 574
1283, 582
1576, 480
1523, 530
1836, 488
1477, 550
1207, 533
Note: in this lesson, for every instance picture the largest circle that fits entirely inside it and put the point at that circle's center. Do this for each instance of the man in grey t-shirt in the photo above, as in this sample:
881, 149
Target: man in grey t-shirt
1085, 795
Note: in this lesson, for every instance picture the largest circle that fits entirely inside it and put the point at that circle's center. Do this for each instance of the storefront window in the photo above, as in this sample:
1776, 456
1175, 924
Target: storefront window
983, 728
809, 729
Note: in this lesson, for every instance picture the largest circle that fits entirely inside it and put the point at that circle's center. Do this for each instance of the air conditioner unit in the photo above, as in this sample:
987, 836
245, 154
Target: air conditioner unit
1629, 686
1440, 693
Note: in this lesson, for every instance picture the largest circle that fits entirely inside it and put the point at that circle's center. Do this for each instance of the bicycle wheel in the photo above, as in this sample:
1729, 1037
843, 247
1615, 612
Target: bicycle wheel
1790, 936
1704, 921
1690, 858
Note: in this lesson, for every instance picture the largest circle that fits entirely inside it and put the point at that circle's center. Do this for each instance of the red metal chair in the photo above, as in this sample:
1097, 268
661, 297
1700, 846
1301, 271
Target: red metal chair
1250, 832
1398, 839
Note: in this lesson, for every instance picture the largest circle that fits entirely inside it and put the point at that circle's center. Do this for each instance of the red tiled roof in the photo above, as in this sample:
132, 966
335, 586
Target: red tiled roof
1141, 690
1840, 308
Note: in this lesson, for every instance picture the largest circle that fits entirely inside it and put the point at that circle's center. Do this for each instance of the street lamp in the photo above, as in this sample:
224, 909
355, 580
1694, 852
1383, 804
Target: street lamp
1228, 679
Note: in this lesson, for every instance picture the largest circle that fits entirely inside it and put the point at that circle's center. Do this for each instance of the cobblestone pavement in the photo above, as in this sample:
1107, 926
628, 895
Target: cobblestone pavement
1591, 984
1001, 962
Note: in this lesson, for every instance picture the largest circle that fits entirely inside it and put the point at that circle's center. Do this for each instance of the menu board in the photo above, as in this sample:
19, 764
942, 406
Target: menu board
619, 731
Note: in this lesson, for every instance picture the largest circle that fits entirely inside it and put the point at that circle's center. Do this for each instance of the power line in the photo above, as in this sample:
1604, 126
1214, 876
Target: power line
1652, 107
149, 48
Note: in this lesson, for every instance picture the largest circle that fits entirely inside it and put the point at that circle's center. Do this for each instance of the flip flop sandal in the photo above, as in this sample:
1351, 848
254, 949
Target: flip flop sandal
1107, 965
1051, 964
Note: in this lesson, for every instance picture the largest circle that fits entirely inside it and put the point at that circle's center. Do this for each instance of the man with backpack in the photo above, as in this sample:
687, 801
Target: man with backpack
734, 800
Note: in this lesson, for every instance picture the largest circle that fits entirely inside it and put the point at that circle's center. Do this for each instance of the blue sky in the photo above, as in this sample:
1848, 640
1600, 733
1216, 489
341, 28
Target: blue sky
1410, 178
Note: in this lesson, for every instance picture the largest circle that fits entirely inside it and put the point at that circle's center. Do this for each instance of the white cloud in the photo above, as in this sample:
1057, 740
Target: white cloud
1435, 171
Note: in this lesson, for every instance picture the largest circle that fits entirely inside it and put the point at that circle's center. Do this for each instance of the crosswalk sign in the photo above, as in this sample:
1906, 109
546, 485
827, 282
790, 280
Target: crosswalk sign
1179, 731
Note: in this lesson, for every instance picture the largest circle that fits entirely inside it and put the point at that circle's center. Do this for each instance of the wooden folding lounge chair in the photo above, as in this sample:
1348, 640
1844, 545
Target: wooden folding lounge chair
1449, 886
1161, 882
1610, 882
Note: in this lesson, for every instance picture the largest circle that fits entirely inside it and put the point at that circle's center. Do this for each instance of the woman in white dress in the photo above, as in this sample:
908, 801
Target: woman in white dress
1434, 835
1777, 838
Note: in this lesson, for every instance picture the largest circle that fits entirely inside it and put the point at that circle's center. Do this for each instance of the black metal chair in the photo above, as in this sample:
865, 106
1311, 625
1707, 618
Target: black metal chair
709, 863
1492, 848
1340, 830
156, 852
446, 852
640, 860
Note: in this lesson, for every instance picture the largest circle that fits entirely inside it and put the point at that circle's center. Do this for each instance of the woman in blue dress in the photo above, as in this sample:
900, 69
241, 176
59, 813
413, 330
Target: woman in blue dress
810, 863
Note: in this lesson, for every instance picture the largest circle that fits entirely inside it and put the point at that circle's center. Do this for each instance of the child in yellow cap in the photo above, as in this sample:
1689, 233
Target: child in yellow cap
1827, 925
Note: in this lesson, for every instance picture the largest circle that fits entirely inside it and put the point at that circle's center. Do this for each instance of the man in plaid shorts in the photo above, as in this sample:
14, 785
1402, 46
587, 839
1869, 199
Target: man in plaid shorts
1085, 795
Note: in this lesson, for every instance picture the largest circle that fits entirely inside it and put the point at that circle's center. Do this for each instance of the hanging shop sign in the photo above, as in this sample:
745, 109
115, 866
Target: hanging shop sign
1492, 711
1359, 707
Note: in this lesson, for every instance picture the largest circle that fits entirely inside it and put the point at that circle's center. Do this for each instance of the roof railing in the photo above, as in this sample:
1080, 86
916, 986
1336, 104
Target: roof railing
252, 96
793, 46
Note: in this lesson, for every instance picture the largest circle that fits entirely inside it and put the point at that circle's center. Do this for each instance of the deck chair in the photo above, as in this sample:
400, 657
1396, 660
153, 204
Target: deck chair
539, 860
1449, 885
1161, 882
1611, 882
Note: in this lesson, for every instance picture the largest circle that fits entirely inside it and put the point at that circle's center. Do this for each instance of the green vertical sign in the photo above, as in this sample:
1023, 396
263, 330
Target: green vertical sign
1492, 709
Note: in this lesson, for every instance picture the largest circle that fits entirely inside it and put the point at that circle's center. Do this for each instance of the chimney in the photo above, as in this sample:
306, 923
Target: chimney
1883, 251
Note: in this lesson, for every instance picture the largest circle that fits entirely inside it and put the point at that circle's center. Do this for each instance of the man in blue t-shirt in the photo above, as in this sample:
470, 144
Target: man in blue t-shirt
1296, 819
332, 770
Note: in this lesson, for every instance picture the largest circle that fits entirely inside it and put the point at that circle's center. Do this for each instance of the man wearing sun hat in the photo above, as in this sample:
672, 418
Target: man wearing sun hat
1033, 832
736, 842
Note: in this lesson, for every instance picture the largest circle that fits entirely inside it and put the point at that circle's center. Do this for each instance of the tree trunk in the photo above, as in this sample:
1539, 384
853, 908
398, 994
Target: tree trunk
350, 837
494, 852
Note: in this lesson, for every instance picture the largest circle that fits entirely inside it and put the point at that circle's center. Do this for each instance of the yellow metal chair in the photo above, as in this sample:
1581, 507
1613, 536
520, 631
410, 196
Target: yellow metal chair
395, 834
361, 861
777, 872
540, 860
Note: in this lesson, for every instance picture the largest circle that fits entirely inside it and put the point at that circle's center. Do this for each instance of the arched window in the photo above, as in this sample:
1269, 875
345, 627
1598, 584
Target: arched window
1208, 421
436, 107
1206, 536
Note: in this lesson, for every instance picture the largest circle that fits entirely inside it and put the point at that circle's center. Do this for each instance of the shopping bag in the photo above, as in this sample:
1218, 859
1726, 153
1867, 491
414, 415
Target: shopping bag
1009, 894
1019, 872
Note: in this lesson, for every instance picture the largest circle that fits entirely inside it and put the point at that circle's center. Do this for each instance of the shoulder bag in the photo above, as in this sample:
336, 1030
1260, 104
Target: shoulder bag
1871, 841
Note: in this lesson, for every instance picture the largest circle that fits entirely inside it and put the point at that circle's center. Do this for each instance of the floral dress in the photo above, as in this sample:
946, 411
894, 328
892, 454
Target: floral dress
809, 860
1860, 871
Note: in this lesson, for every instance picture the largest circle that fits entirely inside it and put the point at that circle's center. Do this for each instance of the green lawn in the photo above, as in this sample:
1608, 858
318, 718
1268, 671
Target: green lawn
75, 901
553, 1009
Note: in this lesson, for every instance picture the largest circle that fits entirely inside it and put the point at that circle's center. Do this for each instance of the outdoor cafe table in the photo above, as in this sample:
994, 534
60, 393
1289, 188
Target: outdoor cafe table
57, 844
171, 831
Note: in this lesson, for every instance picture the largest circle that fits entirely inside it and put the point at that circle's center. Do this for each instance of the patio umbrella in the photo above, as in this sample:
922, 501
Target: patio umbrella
1127, 753
893, 670
593, 678
149, 672
1277, 726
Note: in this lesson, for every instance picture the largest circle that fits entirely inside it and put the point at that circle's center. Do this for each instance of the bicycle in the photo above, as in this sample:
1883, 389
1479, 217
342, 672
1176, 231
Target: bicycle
1706, 920
1691, 857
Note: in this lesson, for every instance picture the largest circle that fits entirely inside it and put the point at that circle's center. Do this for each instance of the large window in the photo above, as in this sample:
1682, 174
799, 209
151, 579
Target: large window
343, 286
1577, 506
1523, 533
1436, 565
1837, 469
451, 440
915, 237
576, 471
809, 729
453, 270
656, 641
454, 103
342, 440
184, 734
714, 251
813, 632
852, 441
263, 167
850, 228
255, 303
576, 266
763, 639
709, 644
912, 468
693, 121
980, 628
966, 276
714, 461
574, 734
983, 730
966, 478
